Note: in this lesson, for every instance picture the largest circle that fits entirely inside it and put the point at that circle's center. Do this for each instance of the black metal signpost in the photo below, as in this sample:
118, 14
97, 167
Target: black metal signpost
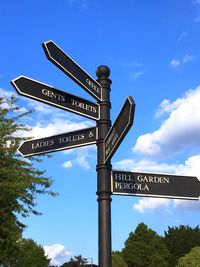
104, 172
106, 138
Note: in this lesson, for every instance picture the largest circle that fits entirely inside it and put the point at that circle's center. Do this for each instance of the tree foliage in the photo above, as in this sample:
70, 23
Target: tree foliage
76, 261
191, 259
144, 248
118, 260
31, 254
180, 240
20, 181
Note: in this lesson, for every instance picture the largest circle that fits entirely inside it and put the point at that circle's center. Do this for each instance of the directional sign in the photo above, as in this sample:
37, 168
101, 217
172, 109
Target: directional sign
59, 142
120, 128
155, 185
47, 94
72, 69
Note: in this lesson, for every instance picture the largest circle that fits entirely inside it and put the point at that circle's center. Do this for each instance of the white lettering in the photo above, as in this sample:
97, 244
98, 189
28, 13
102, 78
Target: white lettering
85, 106
53, 95
131, 186
71, 138
92, 85
43, 144
123, 177
112, 139
153, 179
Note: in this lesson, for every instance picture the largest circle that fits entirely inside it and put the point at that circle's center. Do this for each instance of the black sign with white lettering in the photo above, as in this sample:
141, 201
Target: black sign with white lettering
155, 185
47, 94
120, 128
59, 142
72, 69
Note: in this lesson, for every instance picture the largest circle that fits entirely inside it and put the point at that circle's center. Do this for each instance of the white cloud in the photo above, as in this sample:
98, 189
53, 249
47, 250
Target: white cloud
182, 36
179, 131
137, 69
135, 63
83, 157
166, 106
144, 166
41, 108
134, 76
57, 253
191, 167
196, 2
187, 58
68, 164
82, 161
177, 62
151, 204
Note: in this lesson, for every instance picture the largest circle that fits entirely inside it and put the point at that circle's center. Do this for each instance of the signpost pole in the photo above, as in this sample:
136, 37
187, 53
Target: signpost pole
104, 171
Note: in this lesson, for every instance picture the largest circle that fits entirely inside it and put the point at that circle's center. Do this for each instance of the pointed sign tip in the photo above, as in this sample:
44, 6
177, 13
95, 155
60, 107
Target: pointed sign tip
49, 41
66, 64
19, 78
45, 44
19, 149
14, 82
131, 100
46, 49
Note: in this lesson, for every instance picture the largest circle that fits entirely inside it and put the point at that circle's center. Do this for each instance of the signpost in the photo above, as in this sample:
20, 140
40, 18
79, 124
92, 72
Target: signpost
155, 185
54, 97
59, 142
119, 129
72, 69
106, 138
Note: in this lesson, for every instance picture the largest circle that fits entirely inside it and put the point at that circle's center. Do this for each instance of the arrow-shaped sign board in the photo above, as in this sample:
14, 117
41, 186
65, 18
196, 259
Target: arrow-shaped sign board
155, 185
119, 129
72, 69
47, 94
59, 142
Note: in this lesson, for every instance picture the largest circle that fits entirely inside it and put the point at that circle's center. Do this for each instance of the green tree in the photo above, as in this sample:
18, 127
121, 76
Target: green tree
20, 181
31, 254
144, 248
180, 240
76, 261
117, 260
191, 259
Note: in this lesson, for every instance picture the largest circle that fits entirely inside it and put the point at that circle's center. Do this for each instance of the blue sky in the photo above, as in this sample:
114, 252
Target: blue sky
152, 49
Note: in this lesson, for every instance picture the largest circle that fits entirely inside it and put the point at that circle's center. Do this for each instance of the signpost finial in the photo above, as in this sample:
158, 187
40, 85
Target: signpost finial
103, 71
